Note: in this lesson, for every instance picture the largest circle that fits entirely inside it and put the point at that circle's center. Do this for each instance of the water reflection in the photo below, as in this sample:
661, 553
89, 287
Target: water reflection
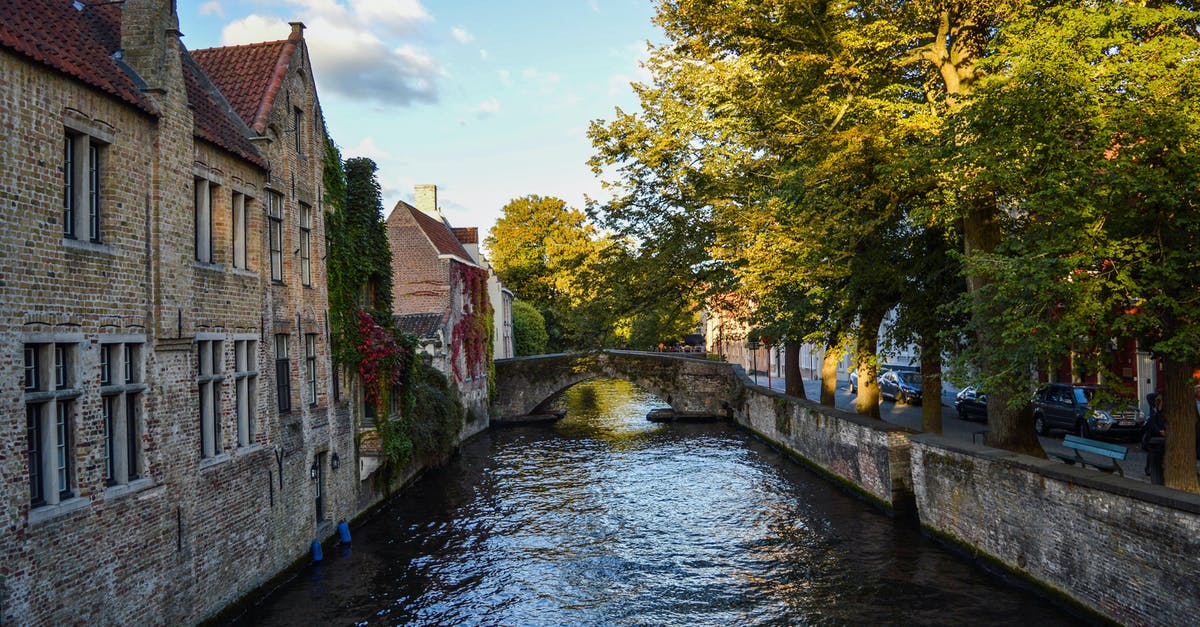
606, 518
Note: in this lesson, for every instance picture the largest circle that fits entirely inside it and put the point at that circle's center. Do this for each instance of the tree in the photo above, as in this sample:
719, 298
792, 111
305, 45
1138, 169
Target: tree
1096, 165
539, 247
529, 329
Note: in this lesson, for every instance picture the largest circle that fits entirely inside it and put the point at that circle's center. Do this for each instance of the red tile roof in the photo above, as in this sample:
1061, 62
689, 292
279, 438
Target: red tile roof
250, 76
437, 231
214, 119
466, 235
78, 43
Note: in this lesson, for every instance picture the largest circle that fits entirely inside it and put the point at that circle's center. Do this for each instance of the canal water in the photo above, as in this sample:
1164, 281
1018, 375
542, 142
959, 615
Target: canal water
607, 519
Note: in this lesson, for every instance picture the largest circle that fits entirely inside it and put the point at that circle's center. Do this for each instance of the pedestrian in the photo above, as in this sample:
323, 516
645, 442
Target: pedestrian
1154, 441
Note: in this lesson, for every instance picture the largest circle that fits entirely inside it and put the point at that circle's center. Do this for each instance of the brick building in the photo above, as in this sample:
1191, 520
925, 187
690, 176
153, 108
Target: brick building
172, 434
431, 272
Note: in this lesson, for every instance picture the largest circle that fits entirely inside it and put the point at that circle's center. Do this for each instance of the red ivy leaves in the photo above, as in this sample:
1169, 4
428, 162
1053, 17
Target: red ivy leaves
384, 361
470, 334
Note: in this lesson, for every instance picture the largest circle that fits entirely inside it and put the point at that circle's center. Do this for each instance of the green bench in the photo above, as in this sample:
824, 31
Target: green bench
1096, 447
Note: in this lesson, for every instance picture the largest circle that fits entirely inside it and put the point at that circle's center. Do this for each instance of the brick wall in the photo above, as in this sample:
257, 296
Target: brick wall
191, 535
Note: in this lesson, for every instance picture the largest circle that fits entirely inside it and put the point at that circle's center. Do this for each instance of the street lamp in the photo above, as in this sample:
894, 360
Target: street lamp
753, 346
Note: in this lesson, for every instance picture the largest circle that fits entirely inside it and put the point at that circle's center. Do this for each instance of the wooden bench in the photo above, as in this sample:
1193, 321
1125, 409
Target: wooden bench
1113, 451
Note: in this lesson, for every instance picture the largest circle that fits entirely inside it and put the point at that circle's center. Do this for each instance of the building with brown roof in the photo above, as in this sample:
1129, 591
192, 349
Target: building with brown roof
433, 274
174, 432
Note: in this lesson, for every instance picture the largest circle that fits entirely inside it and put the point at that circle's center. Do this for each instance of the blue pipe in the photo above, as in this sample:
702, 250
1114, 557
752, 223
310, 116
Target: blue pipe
316, 550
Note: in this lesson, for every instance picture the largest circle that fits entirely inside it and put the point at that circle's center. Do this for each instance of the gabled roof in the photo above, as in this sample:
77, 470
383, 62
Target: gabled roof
466, 234
437, 231
213, 118
250, 76
423, 325
80, 43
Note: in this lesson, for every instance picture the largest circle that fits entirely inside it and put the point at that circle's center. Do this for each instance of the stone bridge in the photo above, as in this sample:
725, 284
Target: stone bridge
687, 384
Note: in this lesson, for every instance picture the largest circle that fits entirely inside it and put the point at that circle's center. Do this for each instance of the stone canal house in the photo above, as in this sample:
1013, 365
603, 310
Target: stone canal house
437, 291
172, 433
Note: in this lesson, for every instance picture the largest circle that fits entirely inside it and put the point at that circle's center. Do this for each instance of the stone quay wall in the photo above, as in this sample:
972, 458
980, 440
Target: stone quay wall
1128, 551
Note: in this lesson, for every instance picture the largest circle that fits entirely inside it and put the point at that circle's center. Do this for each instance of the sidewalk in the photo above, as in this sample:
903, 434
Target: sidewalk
910, 416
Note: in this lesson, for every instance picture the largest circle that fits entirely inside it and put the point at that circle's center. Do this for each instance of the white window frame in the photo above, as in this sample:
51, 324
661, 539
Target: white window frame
310, 366
203, 225
275, 233
122, 389
209, 369
305, 245
283, 374
241, 227
245, 377
82, 171
50, 393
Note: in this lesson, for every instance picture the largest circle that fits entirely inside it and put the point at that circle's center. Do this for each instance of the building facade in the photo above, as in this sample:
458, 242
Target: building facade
434, 275
171, 432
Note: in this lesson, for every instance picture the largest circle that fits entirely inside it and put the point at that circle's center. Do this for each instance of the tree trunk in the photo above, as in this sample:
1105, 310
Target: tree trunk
793, 380
1179, 408
1009, 428
829, 367
866, 357
931, 374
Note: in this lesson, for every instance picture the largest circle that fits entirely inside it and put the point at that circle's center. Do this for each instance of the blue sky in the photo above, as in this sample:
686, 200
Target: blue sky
490, 101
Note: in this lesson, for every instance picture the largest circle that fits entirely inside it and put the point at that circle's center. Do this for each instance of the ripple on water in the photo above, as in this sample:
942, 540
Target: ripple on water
606, 518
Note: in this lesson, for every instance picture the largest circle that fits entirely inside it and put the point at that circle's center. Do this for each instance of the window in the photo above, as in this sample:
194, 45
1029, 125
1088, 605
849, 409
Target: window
297, 117
246, 382
204, 220
81, 187
283, 380
305, 244
121, 388
310, 366
51, 388
208, 358
275, 218
240, 228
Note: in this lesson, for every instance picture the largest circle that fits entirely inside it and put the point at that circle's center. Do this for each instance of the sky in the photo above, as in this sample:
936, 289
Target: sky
488, 100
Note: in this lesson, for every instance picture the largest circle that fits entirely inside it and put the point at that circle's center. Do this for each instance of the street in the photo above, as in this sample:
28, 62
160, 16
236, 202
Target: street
910, 416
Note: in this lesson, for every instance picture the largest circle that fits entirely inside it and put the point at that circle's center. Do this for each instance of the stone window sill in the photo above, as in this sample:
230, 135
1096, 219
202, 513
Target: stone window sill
215, 460
133, 487
210, 266
46, 513
86, 246
246, 273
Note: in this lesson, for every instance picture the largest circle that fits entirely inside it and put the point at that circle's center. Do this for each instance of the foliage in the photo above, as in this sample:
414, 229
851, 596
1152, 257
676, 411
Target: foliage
437, 415
529, 329
545, 252
359, 259
471, 338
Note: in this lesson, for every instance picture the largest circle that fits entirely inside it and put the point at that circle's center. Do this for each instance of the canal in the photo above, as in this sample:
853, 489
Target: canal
607, 519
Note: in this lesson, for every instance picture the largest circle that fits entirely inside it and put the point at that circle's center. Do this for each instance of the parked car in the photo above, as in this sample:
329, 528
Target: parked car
902, 387
971, 404
1069, 407
882, 369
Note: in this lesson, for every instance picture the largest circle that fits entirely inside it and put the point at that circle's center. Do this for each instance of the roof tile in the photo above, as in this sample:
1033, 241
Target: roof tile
438, 232
77, 42
213, 119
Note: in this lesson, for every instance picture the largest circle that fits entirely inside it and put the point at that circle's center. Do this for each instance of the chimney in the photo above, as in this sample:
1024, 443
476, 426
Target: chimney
425, 199
297, 31
147, 27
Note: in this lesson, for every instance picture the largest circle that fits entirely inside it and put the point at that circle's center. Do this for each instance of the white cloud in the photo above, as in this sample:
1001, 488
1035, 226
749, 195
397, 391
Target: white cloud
505, 78
487, 108
349, 58
461, 35
212, 8
483, 54
401, 16
618, 84
368, 148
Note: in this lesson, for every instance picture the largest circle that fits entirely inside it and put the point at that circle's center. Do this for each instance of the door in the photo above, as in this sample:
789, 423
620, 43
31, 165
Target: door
319, 471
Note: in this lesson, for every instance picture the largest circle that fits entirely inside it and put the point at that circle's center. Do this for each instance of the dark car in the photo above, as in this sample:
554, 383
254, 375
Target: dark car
882, 369
902, 387
971, 404
1069, 407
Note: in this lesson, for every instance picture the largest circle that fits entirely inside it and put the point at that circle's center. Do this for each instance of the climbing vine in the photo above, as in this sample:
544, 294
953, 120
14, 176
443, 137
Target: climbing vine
471, 337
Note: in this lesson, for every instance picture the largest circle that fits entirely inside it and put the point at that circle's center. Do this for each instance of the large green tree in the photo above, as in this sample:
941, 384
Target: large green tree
1088, 131
540, 248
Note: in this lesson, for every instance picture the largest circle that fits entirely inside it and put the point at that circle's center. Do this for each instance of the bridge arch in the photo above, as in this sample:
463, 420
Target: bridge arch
687, 384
